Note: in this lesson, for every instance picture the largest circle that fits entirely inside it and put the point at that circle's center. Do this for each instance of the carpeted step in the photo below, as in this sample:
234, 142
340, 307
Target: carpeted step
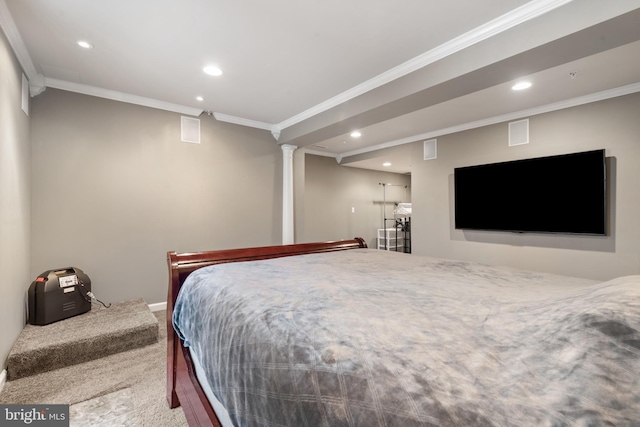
89, 336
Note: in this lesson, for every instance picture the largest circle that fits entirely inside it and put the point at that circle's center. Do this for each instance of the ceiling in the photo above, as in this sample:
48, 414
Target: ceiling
310, 71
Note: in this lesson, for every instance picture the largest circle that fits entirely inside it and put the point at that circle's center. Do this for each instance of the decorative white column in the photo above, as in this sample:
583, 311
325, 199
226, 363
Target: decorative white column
287, 193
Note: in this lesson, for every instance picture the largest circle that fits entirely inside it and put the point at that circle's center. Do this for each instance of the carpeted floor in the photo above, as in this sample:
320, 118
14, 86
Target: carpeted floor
100, 332
142, 371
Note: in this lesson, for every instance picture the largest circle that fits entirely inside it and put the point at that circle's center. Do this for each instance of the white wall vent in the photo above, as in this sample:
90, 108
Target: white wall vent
25, 95
190, 130
519, 132
430, 149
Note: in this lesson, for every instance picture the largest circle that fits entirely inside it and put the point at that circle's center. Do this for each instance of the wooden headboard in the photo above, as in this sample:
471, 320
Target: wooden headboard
183, 387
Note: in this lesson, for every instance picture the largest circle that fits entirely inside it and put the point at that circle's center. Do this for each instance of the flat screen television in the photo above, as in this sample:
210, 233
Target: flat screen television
557, 194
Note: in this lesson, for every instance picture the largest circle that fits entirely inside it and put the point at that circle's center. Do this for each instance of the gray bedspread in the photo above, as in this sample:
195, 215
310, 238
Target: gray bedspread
374, 338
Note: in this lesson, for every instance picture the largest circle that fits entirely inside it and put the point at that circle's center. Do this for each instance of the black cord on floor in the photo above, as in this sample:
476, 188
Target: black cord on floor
85, 293
105, 306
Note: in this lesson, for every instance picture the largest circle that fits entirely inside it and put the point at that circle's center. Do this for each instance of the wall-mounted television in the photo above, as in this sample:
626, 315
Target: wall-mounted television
555, 194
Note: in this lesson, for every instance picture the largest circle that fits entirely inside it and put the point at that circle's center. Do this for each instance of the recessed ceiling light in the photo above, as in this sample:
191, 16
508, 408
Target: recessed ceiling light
199, 98
85, 44
355, 134
386, 164
521, 86
212, 70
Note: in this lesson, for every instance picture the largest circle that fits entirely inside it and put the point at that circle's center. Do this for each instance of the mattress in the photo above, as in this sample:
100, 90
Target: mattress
368, 338
221, 411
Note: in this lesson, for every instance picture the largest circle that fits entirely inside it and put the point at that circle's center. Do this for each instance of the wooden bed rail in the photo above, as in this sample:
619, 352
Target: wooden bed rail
182, 385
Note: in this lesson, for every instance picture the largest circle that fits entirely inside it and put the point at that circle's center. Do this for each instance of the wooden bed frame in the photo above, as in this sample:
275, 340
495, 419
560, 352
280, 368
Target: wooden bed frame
183, 387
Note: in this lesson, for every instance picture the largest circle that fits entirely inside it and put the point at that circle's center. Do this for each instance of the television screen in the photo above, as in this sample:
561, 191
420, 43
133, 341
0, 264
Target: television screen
556, 194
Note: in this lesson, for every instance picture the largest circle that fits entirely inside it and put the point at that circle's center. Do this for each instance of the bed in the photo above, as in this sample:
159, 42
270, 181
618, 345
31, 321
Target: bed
335, 334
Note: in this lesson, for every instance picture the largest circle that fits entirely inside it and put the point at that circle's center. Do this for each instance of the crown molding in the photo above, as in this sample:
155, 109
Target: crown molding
243, 122
121, 96
36, 80
274, 129
321, 153
503, 23
15, 40
38, 83
561, 105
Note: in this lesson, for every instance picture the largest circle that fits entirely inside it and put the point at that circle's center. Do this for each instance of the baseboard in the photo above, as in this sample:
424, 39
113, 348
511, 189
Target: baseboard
3, 379
161, 306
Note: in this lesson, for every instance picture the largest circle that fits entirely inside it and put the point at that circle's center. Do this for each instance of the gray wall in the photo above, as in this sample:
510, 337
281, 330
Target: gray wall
114, 189
612, 124
15, 199
331, 191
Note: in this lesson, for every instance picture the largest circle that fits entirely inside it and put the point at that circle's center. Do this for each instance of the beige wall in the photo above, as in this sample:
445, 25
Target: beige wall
612, 124
15, 199
331, 191
114, 189
109, 187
